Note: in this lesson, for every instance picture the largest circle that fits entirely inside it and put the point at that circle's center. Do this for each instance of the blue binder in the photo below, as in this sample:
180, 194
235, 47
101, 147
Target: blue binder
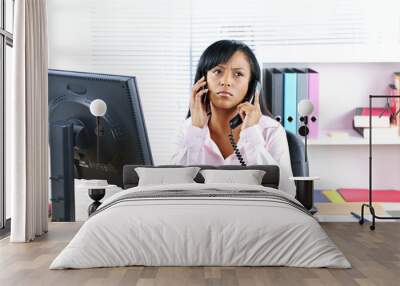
290, 99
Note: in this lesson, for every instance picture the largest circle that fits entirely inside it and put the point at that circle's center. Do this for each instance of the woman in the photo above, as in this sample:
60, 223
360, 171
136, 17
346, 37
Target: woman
226, 76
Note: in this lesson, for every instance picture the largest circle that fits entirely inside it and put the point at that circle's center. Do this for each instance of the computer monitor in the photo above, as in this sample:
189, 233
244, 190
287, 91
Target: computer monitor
72, 137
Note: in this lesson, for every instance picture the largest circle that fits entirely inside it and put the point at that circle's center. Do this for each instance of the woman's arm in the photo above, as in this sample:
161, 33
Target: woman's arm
188, 143
272, 150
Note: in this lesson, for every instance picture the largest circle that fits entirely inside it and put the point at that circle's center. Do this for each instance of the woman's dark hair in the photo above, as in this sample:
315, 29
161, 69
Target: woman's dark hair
220, 52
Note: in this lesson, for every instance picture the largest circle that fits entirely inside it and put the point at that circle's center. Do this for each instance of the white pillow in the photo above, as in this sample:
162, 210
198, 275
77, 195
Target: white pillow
164, 176
249, 177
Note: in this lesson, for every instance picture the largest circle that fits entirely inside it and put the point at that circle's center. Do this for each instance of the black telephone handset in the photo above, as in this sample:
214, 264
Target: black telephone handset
237, 120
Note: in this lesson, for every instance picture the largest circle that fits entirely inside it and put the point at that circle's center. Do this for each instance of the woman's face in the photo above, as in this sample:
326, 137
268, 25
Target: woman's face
228, 83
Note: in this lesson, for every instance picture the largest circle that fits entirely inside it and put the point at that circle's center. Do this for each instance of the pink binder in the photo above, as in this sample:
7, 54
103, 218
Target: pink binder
313, 95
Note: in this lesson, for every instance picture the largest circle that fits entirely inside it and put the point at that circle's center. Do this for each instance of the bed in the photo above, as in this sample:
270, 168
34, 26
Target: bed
201, 224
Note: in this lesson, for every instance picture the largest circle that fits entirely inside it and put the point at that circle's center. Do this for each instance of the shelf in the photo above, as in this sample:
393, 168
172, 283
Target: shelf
353, 139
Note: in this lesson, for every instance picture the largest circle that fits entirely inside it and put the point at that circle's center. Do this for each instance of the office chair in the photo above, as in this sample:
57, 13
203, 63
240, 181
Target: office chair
300, 168
296, 150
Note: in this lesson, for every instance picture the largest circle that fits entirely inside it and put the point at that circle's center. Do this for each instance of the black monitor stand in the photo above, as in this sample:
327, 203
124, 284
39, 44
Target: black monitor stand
64, 134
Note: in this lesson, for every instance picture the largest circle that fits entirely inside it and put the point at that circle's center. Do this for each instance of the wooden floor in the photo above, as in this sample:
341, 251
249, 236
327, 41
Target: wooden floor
374, 255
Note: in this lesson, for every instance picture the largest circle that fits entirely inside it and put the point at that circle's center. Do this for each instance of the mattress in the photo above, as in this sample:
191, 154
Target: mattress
201, 225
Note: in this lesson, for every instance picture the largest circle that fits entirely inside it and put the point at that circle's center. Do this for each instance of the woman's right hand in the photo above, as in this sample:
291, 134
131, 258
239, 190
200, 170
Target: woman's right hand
198, 110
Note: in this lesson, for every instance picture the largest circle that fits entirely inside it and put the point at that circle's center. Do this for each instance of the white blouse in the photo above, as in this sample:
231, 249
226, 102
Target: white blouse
262, 144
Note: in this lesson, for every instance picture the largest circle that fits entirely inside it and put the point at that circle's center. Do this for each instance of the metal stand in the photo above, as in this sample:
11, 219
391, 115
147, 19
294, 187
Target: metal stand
369, 205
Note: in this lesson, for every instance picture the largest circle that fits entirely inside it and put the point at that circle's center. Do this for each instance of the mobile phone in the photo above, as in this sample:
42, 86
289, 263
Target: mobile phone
205, 96
237, 120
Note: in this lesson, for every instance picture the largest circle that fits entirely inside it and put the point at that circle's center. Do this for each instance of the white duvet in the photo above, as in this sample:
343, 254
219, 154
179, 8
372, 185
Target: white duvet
200, 231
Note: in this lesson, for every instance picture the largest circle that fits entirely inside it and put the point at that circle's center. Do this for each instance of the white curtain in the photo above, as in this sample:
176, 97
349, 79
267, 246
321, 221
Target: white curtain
27, 156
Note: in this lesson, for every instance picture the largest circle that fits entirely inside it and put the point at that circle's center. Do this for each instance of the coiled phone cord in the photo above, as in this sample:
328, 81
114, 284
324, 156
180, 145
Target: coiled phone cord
237, 152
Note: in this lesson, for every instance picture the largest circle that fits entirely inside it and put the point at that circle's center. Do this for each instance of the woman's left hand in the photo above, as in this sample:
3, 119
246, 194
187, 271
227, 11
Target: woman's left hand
250, 113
